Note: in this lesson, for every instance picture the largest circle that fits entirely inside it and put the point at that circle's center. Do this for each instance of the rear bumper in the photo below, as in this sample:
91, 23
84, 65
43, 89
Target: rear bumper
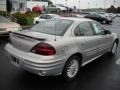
34, 63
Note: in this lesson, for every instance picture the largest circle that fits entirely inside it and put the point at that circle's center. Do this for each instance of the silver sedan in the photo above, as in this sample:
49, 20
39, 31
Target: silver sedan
60, 46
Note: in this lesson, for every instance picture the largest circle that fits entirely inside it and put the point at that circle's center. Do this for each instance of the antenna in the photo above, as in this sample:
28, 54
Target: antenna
55, 24
114, 2
55, 29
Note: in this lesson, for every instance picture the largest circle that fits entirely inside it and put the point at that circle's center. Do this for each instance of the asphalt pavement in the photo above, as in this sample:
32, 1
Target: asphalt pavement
101, 74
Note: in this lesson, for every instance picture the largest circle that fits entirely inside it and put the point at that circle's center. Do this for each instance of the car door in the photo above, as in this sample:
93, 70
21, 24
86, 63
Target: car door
93, 17
86, 40
104, 40
98, 18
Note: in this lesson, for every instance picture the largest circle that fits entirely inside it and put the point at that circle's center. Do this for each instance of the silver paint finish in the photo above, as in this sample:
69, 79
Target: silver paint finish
90, 47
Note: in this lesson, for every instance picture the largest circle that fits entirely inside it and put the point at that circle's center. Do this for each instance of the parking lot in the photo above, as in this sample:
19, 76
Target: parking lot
101, 74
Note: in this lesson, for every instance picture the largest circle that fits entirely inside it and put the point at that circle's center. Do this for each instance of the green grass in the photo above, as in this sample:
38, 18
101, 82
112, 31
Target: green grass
29, 20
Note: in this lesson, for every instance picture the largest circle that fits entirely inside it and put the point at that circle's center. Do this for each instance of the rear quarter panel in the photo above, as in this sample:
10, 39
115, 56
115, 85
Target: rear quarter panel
66, 47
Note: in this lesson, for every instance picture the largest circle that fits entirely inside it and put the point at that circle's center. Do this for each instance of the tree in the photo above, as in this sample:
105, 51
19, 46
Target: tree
8, 5
112, 9
118, 9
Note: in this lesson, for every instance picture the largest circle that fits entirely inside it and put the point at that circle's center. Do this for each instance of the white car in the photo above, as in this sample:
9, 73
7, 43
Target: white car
45, 17
6, 26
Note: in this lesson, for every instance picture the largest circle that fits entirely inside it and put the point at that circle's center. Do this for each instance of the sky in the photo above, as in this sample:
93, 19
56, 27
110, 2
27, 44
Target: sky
84, 4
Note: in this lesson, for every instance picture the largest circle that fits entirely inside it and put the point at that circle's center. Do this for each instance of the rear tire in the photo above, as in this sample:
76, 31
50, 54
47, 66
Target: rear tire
71, 68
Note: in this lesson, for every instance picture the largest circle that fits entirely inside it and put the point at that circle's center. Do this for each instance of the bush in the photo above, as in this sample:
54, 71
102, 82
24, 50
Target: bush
20, 19
25, 19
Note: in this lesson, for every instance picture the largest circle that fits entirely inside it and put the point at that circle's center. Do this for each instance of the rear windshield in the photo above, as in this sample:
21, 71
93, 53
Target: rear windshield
53, 27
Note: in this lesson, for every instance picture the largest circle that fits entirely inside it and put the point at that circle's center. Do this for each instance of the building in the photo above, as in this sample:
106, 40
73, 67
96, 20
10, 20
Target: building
2, 5
31, 4
18, 5
22, 5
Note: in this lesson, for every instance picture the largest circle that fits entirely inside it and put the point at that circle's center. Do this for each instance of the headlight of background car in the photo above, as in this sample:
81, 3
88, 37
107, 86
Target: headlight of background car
3, 29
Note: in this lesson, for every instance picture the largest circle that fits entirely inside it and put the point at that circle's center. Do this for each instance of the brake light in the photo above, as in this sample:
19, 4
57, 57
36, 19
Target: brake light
44, 49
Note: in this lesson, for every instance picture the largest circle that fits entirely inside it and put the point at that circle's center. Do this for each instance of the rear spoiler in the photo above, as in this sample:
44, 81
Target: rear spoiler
39, 39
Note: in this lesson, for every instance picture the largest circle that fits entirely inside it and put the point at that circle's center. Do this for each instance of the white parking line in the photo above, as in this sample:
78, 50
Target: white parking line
118, 61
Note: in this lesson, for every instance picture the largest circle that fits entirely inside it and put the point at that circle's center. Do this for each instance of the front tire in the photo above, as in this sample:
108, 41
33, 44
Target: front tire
104, 22
114, 48
36, 22
72, 68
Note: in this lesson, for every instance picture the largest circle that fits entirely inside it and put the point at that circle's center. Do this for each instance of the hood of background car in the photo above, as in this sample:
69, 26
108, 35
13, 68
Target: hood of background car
9, 25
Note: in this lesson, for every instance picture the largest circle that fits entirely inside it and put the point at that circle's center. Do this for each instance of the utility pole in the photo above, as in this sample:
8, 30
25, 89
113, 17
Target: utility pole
114, 3
105, 3
19, 6
96, 5
79, 5
88, 4
66, 3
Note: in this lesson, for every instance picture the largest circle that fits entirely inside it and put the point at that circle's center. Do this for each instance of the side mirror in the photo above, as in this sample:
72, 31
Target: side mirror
107, 32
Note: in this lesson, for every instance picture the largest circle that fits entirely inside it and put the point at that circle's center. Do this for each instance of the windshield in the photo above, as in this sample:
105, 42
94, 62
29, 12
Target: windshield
3, 19
53, 27
55, 16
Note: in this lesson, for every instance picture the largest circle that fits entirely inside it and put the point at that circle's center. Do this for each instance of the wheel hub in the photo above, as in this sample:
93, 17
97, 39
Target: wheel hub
73, 68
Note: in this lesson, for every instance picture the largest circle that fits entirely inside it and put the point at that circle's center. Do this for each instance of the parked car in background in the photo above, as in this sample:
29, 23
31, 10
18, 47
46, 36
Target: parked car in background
60, 46
45, 17
55, 8
37, 9
6, 26
99, 18
112, 15
68, 9
77, 15
108, 16
118, 15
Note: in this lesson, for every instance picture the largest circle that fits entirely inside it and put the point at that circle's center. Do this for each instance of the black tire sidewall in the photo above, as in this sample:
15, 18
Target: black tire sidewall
112, 48
64, 74
36, 22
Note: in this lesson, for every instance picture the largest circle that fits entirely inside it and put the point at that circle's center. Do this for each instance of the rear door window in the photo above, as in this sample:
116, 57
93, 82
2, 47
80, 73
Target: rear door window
85, 29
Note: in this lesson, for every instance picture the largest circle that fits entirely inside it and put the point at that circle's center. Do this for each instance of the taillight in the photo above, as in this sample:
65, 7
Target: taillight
44, 49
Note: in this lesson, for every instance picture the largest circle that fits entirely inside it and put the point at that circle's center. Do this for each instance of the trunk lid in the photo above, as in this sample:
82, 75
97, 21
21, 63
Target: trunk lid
26, 40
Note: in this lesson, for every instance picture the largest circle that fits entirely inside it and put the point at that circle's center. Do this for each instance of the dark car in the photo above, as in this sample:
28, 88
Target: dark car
99, 18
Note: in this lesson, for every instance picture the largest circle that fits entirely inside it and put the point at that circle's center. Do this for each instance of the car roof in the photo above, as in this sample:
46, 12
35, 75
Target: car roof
76, 19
